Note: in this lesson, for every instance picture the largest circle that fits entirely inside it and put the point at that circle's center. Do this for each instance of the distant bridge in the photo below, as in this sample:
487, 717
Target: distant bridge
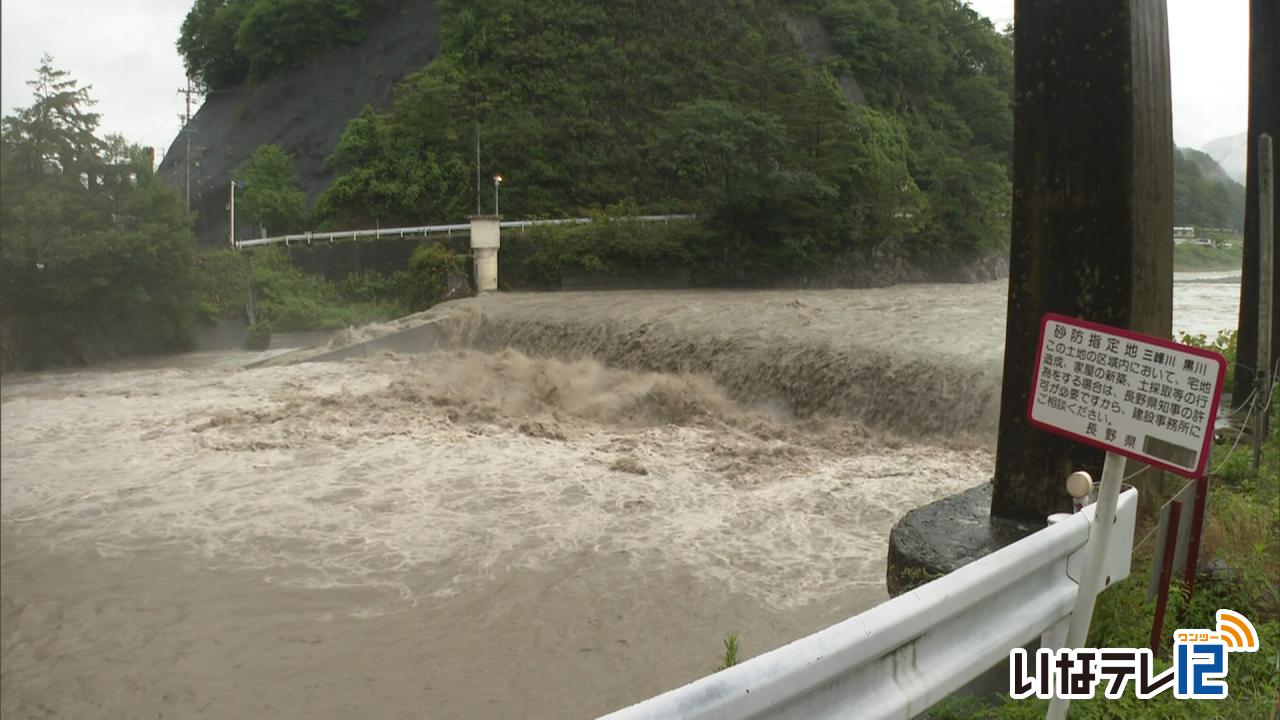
428, 231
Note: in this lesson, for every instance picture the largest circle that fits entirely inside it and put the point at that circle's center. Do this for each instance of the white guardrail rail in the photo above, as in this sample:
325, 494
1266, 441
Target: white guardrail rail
425, 230
903, 656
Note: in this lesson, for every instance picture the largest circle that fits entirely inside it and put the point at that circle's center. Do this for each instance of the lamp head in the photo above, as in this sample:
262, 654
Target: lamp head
1079, 484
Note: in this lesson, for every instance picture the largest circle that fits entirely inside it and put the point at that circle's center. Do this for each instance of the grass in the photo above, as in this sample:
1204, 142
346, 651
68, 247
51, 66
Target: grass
730, 657
1206, 257
289, 299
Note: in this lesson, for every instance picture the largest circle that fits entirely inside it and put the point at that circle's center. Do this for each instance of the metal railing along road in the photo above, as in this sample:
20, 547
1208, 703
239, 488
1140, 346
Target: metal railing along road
426, 231
351, 235
903, 656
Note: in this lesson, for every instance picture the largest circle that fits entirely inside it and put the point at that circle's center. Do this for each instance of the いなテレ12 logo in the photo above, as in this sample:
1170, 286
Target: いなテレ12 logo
1199, 671
1200, 656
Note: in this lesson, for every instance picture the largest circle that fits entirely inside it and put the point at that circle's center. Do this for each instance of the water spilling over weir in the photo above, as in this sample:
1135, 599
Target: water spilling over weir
559, 510
896, 360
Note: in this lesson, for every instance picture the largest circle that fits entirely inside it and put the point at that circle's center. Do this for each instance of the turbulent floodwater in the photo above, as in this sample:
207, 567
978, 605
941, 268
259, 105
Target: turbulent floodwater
484, 531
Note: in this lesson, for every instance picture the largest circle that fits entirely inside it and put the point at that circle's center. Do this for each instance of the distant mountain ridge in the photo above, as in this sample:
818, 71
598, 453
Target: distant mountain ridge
1231, 153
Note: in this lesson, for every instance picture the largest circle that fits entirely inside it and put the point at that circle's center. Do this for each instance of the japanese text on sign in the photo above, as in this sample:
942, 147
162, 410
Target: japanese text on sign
1145, 398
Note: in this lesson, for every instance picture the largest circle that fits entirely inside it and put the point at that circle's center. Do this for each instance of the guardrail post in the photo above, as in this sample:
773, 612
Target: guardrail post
485, 240
1092, 580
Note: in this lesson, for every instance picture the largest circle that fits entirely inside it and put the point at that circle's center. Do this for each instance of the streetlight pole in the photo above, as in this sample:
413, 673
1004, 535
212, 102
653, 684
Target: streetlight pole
497, 180
231, 208
231, 223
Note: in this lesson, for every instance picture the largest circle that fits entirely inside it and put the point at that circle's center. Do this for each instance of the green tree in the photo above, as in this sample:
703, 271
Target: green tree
55, 134
278, 34
392, 178
271, 198
880, 202
207, 42
226, 42
96, 250
736, 162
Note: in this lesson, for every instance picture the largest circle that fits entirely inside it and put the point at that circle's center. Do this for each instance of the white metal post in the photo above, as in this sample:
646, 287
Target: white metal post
1091, 580
231, 222
1266, 258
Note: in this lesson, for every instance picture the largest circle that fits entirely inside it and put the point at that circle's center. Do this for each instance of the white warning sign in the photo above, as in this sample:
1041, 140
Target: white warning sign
1148, 399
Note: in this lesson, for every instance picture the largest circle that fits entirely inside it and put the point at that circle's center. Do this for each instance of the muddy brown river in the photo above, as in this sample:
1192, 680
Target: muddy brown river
506, 527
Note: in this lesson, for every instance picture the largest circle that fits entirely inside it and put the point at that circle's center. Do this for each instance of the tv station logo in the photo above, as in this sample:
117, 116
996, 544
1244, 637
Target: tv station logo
1199, 670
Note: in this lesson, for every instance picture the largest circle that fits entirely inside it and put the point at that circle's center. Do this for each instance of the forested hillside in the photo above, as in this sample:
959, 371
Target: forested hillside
824, 134
1203, 194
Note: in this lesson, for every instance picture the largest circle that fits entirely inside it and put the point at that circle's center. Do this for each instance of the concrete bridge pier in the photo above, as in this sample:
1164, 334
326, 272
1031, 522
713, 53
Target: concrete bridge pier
485, 241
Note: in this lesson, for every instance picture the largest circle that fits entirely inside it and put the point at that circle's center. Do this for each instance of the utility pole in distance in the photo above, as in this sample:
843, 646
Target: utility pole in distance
186, 132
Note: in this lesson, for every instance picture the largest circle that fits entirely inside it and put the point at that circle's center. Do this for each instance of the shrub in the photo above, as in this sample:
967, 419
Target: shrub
1225, 343
219, 282
259, 336
611, 244
430, 269
290, 300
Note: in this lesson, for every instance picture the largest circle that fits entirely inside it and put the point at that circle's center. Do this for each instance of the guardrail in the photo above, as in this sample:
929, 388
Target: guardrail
903, 656
426, 230
376, 234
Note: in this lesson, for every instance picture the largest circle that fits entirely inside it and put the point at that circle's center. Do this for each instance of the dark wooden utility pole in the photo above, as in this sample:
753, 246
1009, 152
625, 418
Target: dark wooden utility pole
1092, 210
1264, 117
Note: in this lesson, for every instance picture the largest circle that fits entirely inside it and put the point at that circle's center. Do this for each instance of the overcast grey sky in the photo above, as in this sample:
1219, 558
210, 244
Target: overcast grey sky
1208, 59
125, 50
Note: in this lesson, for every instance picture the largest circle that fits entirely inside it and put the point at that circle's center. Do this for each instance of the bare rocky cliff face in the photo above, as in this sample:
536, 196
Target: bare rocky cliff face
303, 111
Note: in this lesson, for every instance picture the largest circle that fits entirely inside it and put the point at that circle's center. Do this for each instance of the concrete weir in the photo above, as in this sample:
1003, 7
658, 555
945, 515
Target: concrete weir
866, 356
418, 339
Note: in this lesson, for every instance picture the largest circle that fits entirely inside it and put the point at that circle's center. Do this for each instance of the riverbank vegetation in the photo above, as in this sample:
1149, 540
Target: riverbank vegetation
286, 299
98, 258
1226, 254
97, 252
